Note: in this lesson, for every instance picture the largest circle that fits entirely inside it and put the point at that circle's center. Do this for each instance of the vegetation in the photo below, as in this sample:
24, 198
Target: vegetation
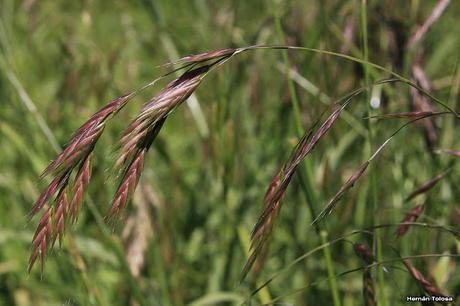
304, 155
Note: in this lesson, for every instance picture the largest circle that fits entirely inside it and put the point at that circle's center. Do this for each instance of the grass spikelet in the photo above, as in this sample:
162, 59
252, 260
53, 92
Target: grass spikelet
158, 108
41, 240
281, 180
410, 217
60, 215
86, 136
368, 288
426, 186
345, 187
141, 132
79, 187
127, 185
48, 193
203, 57
426, 285
363, 252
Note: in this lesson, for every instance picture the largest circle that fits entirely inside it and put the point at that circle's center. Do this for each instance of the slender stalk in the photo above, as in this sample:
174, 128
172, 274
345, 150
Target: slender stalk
377, 243
361, 61
330, 270
292, 93
306, 176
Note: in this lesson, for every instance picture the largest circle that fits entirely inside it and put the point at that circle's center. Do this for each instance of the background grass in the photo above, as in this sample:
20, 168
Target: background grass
207, 173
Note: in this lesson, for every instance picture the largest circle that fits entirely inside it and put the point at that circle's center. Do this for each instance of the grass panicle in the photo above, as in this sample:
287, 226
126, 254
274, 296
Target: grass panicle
135, 142
279, 184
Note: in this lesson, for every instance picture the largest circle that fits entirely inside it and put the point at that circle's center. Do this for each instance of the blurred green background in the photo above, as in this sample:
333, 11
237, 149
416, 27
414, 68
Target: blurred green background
185, 236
